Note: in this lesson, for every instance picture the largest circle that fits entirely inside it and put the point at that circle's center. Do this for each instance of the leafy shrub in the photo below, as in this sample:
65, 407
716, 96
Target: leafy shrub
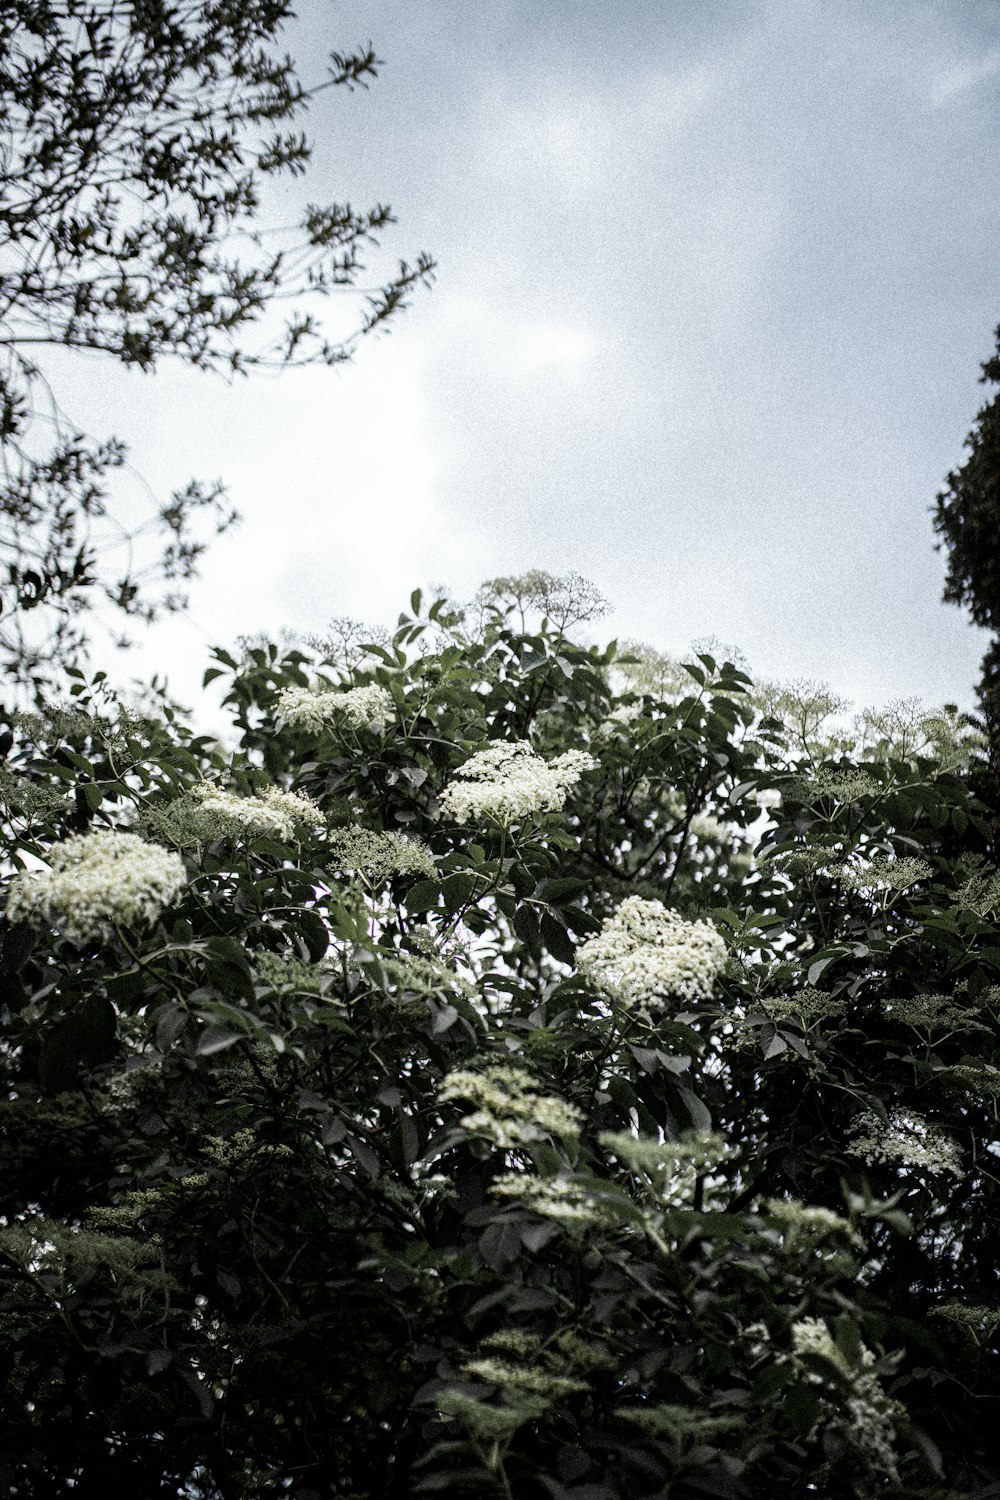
328, 1170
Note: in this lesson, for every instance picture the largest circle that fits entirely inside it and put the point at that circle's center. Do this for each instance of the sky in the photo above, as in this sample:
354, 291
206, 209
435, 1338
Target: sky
715, 282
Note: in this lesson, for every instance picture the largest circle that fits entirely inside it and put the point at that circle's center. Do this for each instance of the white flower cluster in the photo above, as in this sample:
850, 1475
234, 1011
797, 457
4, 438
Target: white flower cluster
805, 1007
808, 1219
283, 971
274, 812
515, 1379
620, 718
421, 974
934, 1013
869, 1422
672, 1167
846, 786
980, 893
811, 1336
646, 952
369, 707
379, 856
557, 1198
508, 780
907, 1140
882, 873
97, 881
512, 1109
980, 1323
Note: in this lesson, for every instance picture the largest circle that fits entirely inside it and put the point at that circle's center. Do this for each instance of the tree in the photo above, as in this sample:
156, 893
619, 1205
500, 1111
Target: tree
967, 518
516, 1069
136, 142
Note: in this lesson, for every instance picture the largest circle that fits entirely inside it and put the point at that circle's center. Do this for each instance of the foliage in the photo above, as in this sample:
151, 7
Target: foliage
136, 143
340, 1176
966, 518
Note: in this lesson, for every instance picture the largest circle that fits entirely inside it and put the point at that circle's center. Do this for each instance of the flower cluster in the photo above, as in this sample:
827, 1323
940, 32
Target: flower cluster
508, 780
678, 1424
980, 1323
379, 856
672, 1167
803, 1218
512, 1110
845, 785
422, 974
906, 1139
98, 881
882, 874
557, 1198
528, 1383
805, 1007
646, 952
980, 892
933, 1013
282, 971
369, 707
272, 813
869, 1423
620, 718
972, 1078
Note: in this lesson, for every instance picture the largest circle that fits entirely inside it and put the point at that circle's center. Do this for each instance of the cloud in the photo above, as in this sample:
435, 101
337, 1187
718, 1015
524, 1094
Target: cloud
951, 82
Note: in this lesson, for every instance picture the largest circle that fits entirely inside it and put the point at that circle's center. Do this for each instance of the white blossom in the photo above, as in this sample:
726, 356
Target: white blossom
867, 1421
646, 952
512, 1108
508, 780
379, 855
557, 1198
96, 881
881, 873
369, 707
672, 1168
808, 1218
905, 1139
271, 812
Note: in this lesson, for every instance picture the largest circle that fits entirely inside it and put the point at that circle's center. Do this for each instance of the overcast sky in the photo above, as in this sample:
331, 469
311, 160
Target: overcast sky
715, 284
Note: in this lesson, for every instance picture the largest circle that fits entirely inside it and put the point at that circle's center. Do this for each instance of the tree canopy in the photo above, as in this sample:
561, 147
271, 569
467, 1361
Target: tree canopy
967, 518
518, 1067
136, 144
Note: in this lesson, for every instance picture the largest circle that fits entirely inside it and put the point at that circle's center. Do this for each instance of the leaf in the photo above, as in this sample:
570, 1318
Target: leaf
365, 1156
816, 969
423, 895
526, 924
79, 1040
701, 1119
564, 888
125, 987
92, 795
535, 1237
556, 939
215, 1039
442, 1017
458, 891
774, 1046
310, 925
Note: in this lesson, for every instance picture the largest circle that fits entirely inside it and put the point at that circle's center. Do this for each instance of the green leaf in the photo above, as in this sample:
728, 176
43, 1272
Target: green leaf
565, 888
423, 895
216, 1039
79, 1040
700, 1117
556, 939
458, 890
311, 927
92, 795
